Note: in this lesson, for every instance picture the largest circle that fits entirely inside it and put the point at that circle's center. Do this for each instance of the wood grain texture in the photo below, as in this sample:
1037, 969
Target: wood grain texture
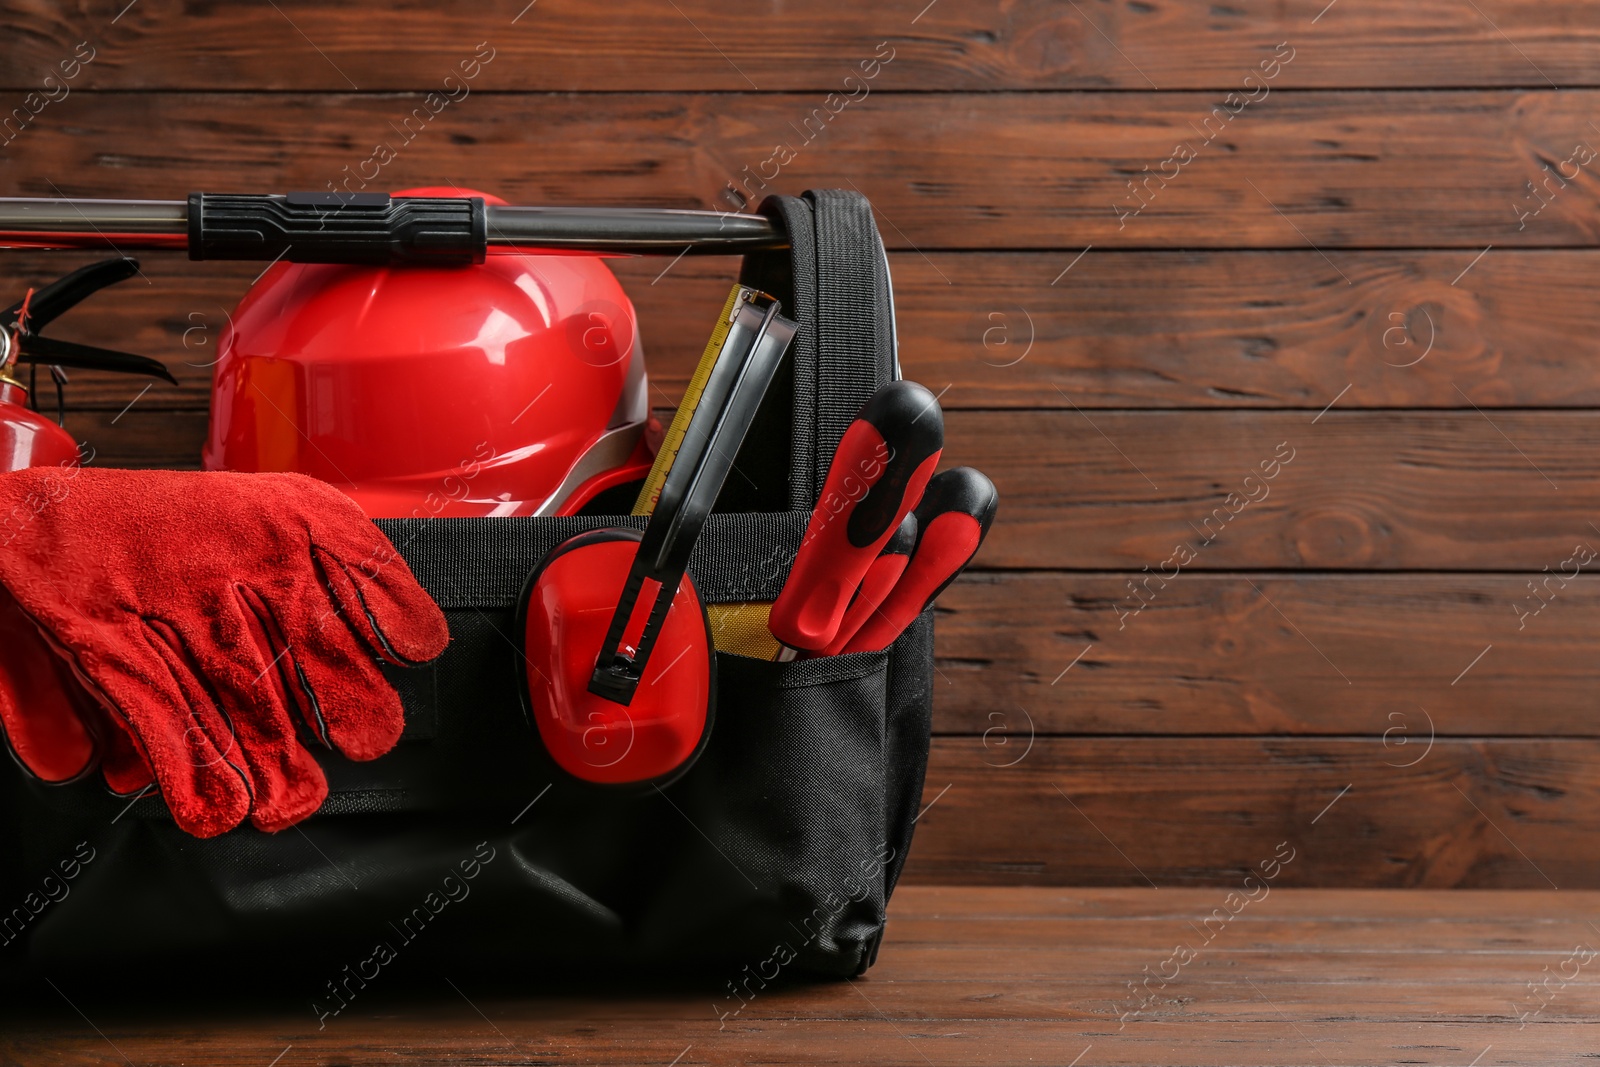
1363, 490
1229, 329
1390, 657
1487, 813
140, 436
1251, 329
972, 976
699, 44
1297, 170
462, 1037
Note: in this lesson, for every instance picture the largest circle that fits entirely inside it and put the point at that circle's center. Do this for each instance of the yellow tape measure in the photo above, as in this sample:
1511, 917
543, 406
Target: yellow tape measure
668, 453
742, 629
737, 628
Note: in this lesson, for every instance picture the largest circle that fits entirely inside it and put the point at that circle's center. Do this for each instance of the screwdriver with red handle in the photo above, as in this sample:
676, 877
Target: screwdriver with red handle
882, 577
952, 520
878, 474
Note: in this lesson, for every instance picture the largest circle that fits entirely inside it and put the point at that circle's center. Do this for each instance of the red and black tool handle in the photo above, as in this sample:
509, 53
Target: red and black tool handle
882, 577
878, 474
952, 519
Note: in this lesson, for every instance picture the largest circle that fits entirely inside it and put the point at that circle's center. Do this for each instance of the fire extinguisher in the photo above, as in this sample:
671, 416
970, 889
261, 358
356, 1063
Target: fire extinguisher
27, 437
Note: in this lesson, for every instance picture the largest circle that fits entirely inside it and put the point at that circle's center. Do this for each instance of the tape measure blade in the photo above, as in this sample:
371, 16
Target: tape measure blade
673, 441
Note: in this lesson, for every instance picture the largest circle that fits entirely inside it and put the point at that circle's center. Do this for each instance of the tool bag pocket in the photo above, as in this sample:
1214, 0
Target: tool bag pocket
466, 847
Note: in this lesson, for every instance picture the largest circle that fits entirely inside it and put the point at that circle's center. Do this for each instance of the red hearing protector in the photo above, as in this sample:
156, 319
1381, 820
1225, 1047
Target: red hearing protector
617, 655
568, 607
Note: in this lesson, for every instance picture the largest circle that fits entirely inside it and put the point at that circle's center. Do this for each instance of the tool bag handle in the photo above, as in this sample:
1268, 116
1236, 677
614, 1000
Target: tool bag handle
833, 280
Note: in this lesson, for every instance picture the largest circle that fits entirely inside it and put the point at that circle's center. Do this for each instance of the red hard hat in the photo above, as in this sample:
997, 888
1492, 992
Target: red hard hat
513, 387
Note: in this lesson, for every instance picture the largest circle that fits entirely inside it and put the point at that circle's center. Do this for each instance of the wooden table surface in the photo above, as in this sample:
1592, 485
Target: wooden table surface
1080, 977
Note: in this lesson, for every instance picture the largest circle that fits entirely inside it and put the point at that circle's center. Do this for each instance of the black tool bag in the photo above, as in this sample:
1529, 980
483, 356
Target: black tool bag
466, 847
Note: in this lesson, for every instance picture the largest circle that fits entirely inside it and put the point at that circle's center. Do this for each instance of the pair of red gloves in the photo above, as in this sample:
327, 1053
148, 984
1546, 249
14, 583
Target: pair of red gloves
189, 629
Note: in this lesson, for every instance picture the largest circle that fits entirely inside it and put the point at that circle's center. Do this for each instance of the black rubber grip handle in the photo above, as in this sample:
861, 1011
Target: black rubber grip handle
372, 229
878, 473
953, 518
67, 292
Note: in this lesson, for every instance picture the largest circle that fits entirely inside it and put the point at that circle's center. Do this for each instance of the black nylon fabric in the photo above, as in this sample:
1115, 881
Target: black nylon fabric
834, 281
781, 843
909, 733
791, 276
739, 557
855, 338
773, 856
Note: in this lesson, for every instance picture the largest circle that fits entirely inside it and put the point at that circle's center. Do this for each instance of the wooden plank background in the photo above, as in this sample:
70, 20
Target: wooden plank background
1378, 258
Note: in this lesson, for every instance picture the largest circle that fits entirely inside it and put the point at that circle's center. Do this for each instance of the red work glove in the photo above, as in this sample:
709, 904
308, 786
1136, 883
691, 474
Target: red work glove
56, 729
206, 613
